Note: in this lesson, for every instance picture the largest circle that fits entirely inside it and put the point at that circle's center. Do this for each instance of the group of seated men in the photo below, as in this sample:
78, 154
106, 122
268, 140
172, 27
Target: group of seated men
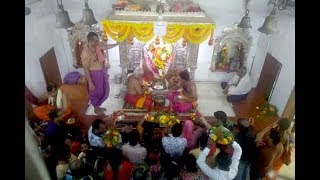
182, 91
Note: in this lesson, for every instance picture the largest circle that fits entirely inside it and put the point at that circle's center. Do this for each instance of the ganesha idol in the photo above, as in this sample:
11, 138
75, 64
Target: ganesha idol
158, 57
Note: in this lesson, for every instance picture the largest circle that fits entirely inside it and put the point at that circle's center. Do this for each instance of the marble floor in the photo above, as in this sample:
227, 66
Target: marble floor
210, 100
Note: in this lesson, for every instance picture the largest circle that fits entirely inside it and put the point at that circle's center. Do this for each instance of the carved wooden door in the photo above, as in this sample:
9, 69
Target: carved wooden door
268, 77
50, 68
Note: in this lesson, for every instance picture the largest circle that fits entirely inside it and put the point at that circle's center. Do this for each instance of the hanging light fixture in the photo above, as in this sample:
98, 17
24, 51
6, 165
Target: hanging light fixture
62, 17
270, 23
87, 16
245, 21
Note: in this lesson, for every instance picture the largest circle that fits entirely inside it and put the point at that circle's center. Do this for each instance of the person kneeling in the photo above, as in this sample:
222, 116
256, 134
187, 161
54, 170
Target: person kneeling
135, 94
238, 88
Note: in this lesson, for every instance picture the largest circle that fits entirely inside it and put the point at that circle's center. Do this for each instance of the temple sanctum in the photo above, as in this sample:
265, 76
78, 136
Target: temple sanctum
133, 81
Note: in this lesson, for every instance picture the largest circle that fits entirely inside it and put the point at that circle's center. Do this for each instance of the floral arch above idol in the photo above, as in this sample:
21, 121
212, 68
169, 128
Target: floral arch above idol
158, 57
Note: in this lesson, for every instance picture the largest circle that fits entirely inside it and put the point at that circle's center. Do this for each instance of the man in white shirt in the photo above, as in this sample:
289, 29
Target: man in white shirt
96, 132
225, 170
238, 88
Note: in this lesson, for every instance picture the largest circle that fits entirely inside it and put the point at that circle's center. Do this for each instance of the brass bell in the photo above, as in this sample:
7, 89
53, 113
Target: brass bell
245, 21
270, 24
87, 16
62, 18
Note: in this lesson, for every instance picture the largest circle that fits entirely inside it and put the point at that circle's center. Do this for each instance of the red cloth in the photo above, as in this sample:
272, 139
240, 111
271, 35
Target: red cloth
132, 99
41, 112
147, 76
123, 174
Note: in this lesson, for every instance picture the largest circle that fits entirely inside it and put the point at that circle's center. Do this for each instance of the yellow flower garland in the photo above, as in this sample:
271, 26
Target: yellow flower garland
194, 33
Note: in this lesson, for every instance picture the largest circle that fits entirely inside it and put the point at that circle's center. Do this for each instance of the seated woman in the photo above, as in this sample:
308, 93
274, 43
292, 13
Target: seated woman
135, 94
186, 99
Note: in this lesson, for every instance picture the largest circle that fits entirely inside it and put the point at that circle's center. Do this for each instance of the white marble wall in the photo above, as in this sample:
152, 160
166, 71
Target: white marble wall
281, 46
41, 35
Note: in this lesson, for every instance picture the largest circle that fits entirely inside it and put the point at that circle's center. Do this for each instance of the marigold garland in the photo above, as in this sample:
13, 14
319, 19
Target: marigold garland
163, 119
111, 137
220, 135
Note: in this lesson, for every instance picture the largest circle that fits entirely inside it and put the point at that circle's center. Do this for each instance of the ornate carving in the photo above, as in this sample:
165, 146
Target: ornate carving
193, 59
123, 60
148, 16
135, 54
180, 54
238, 41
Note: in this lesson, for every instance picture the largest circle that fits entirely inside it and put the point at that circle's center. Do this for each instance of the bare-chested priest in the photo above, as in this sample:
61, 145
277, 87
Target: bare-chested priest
135, 91
95, 68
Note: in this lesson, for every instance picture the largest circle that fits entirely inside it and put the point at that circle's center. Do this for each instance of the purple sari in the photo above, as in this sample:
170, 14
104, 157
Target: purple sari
100, 79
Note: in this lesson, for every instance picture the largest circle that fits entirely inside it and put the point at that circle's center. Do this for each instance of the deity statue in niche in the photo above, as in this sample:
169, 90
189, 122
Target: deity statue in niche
223, 61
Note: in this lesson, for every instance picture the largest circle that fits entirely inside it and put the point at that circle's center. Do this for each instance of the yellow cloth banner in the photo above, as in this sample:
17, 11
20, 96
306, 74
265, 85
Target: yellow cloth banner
194, 33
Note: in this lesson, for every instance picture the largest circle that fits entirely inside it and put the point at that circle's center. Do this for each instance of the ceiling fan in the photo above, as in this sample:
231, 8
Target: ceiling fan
27, 9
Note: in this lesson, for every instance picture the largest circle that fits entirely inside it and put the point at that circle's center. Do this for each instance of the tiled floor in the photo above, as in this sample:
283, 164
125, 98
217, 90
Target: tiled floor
210, 100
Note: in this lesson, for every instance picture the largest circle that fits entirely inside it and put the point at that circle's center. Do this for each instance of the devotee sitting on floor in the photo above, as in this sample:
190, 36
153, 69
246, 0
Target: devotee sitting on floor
174, 144
135, 91
133, 150
238, 88
96, 132
186, 99
226, 168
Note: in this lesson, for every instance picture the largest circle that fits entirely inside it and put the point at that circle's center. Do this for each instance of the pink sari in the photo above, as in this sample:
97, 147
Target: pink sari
179, 107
